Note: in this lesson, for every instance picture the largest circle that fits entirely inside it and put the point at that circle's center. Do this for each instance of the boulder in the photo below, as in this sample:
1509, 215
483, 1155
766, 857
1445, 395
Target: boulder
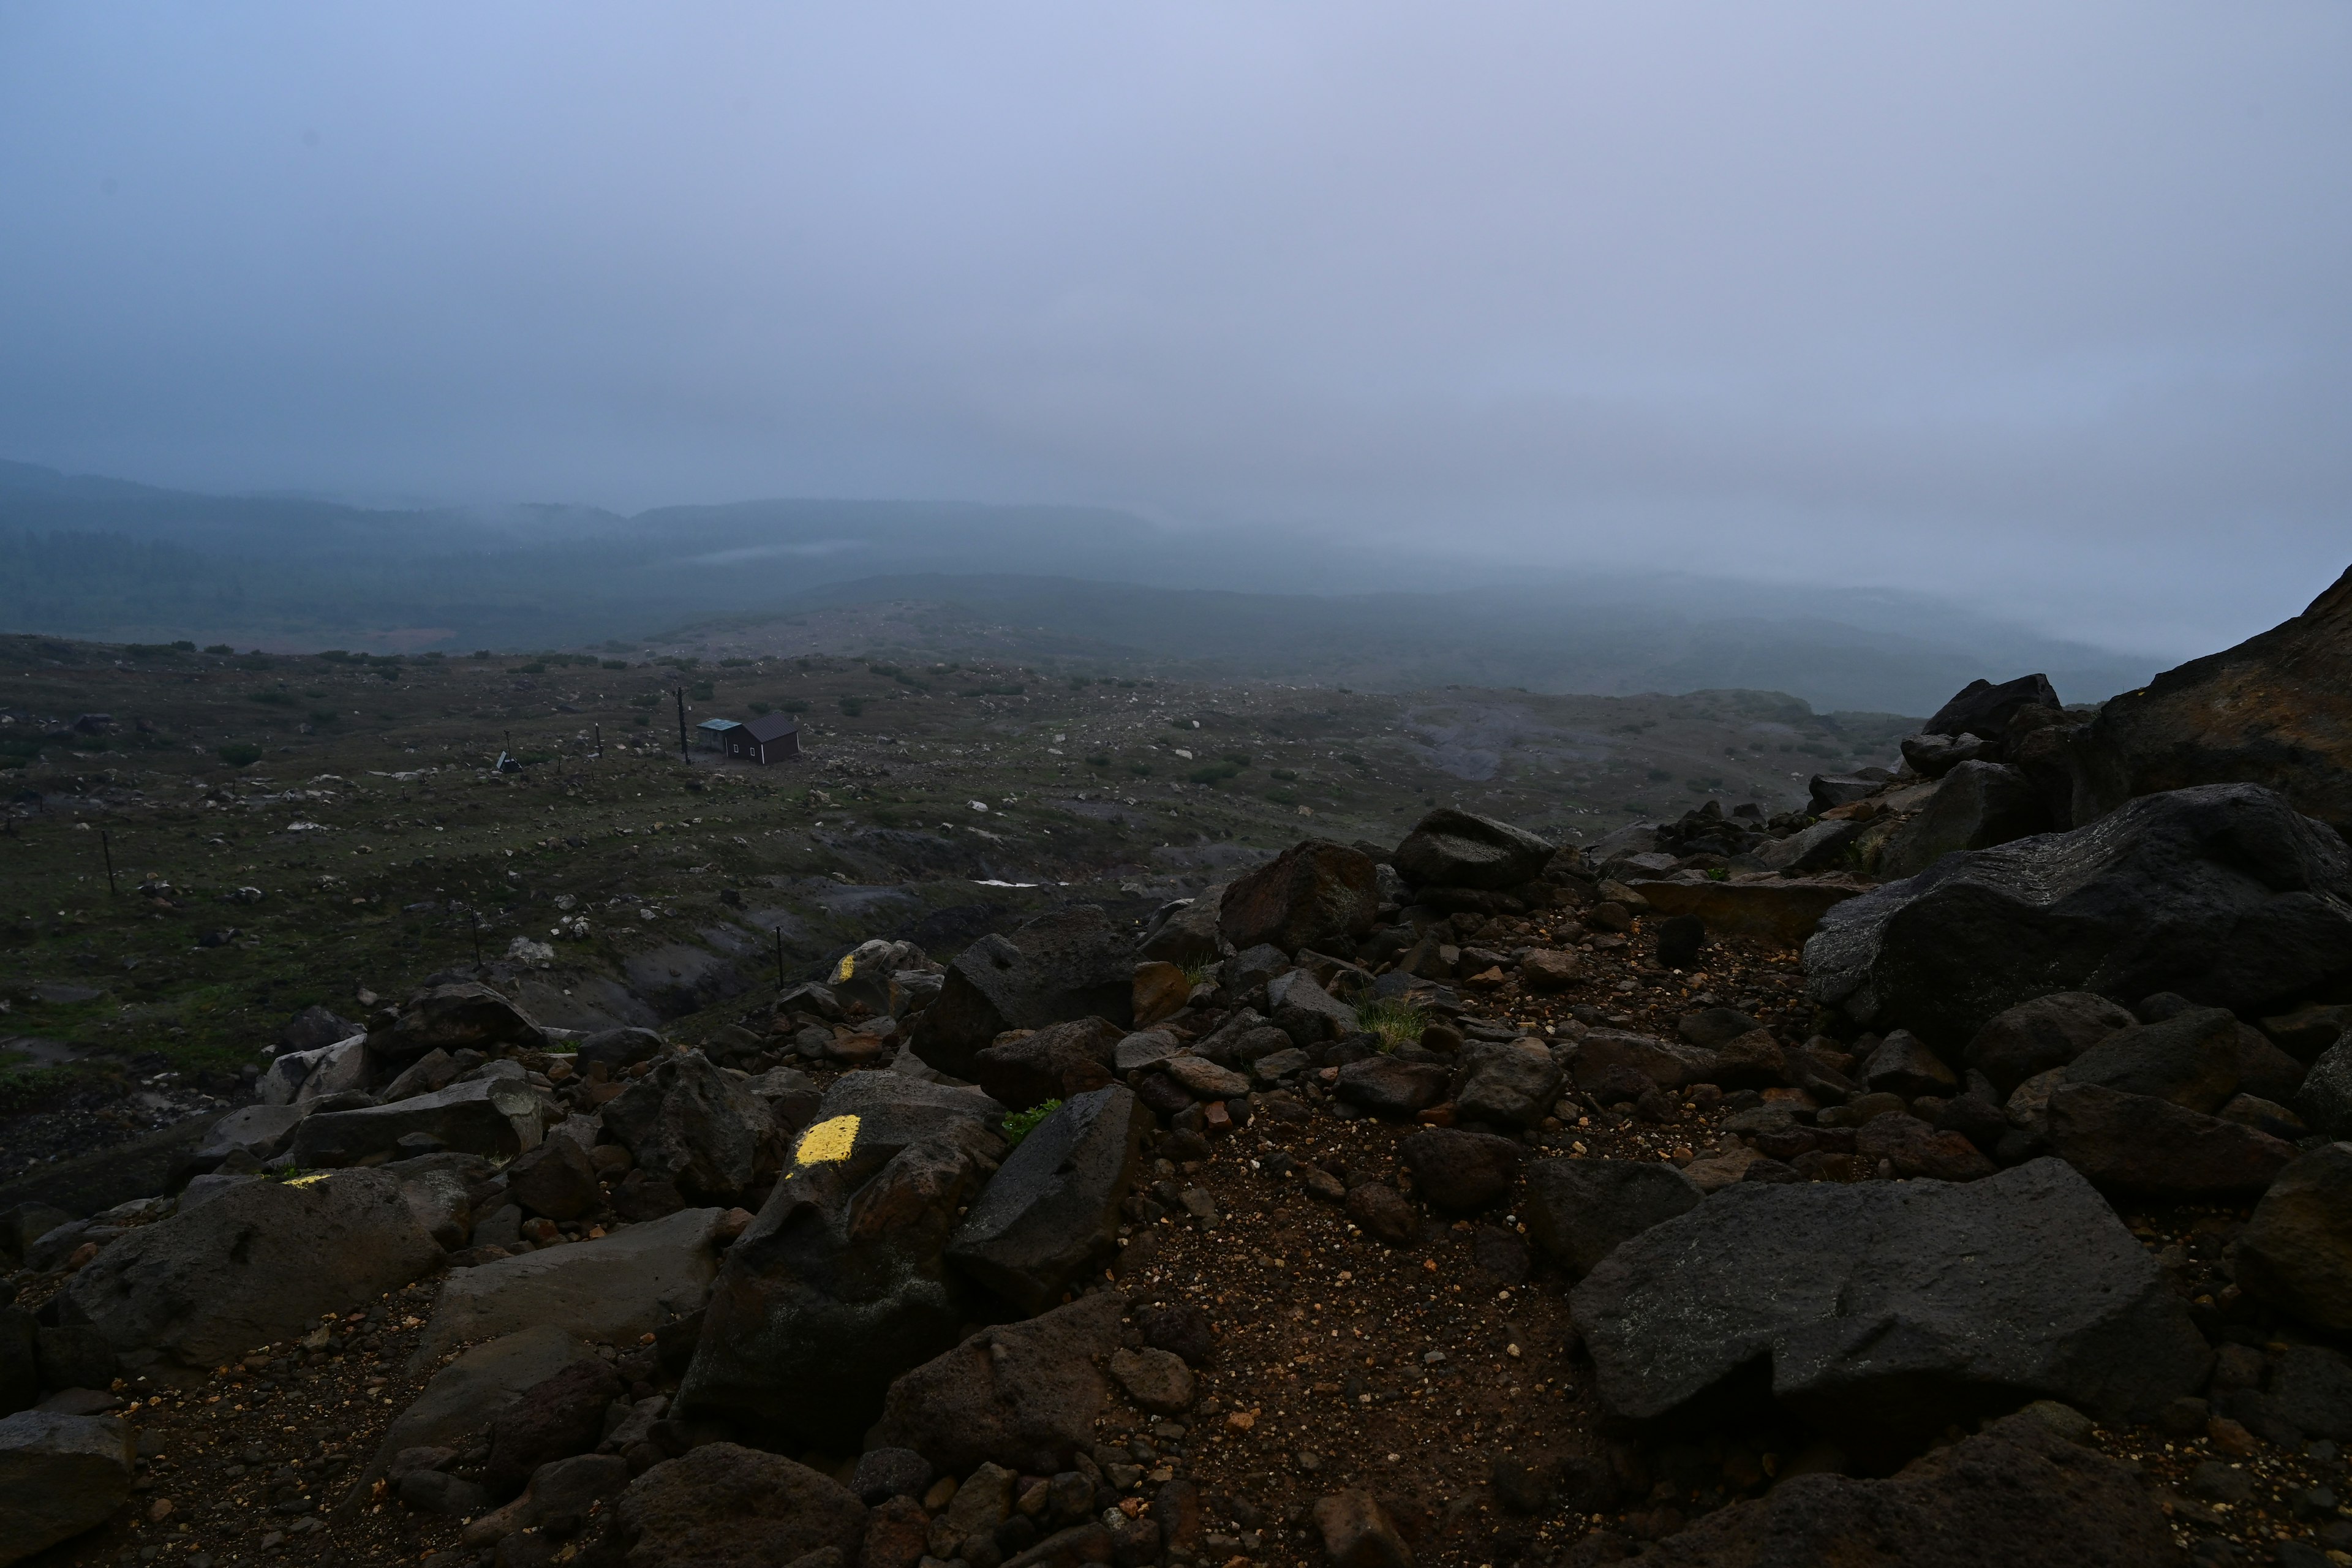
316, 1026
2017, 1493
1546, 970
1783, 910
495, 1117
261, 1262
2047, 1031
20, 1361
59, 1475
1823, 846
724, 1505
1579, 1210
1389, 1087
1204, 1079
2324, 1098
2275, 711
1933, 756
558, 1416
316, 1073
1459, 1170
1072, 964
258, 1129
1892, 1308
1315, 894
2295, 1253
1054, 1063
612, 1288
1159, 991
557, 1179
1052, 1208
885, 1473
1976, 805
437, 1188
465, 1016
2307, 1032
694, 1125
1148, 1049
1904, 1065
1666, 1063
2221, 893
1825, 793
1024, 1396
1156, 1380
1306, 1012
1357, 1532
1713, 1028
1184, 932
1915, 1149
1511, 1083
1985, 710
1456, 849
2189, 1059
618, 1049
842, 1282
1380, 1210
433, 1070
464, 1396
2144, 1147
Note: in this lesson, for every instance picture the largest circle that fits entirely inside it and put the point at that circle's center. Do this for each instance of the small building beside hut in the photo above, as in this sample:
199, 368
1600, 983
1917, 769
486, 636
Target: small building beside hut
769, 738
714, 733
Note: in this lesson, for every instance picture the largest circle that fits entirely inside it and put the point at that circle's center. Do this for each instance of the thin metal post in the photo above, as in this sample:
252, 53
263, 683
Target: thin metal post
105, 849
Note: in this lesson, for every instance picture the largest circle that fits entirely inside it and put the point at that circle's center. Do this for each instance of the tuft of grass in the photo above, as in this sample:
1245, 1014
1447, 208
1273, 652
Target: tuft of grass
1022, 1123
1394, 1021
239, 755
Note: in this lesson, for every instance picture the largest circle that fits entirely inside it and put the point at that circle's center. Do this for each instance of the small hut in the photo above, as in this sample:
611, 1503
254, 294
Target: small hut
769, 738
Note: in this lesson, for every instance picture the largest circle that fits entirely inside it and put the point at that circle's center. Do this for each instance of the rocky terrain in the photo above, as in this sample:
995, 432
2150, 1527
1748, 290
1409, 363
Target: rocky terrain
1954, 1166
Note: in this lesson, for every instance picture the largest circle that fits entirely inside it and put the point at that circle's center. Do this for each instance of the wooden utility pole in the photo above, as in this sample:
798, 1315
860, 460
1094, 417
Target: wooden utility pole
105, 849
684, 756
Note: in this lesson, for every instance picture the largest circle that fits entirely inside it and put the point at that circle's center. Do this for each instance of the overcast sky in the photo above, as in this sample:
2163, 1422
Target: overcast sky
2047, 307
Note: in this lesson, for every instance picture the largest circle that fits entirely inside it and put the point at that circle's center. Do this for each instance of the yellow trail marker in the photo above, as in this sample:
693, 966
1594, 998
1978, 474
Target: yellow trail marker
848, 967
826, 1143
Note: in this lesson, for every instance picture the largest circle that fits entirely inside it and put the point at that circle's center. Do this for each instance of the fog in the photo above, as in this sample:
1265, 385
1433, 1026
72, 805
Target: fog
2041, 309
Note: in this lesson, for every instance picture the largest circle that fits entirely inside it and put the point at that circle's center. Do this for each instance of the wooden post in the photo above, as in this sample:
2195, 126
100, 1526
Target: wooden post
600, 740
105, 849
684, 756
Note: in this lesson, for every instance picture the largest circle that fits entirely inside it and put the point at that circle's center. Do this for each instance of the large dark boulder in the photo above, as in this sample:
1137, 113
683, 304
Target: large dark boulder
492, 1117
2189, 1059
259, 1263
59, 1475
1460, 1171
1580, 1211
2275, 711
690, 1122
1072, 964
2297, 1251
2047, 1031
1456, 849
1054, 1063
2141, 1146
2223, 894
1978, 805
2016, 1495
1315, 894
1022, 1396
724, 1505
454, 1018
314, 1026
1052, 1208
1891, 1307
842, 1281
1984, 710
